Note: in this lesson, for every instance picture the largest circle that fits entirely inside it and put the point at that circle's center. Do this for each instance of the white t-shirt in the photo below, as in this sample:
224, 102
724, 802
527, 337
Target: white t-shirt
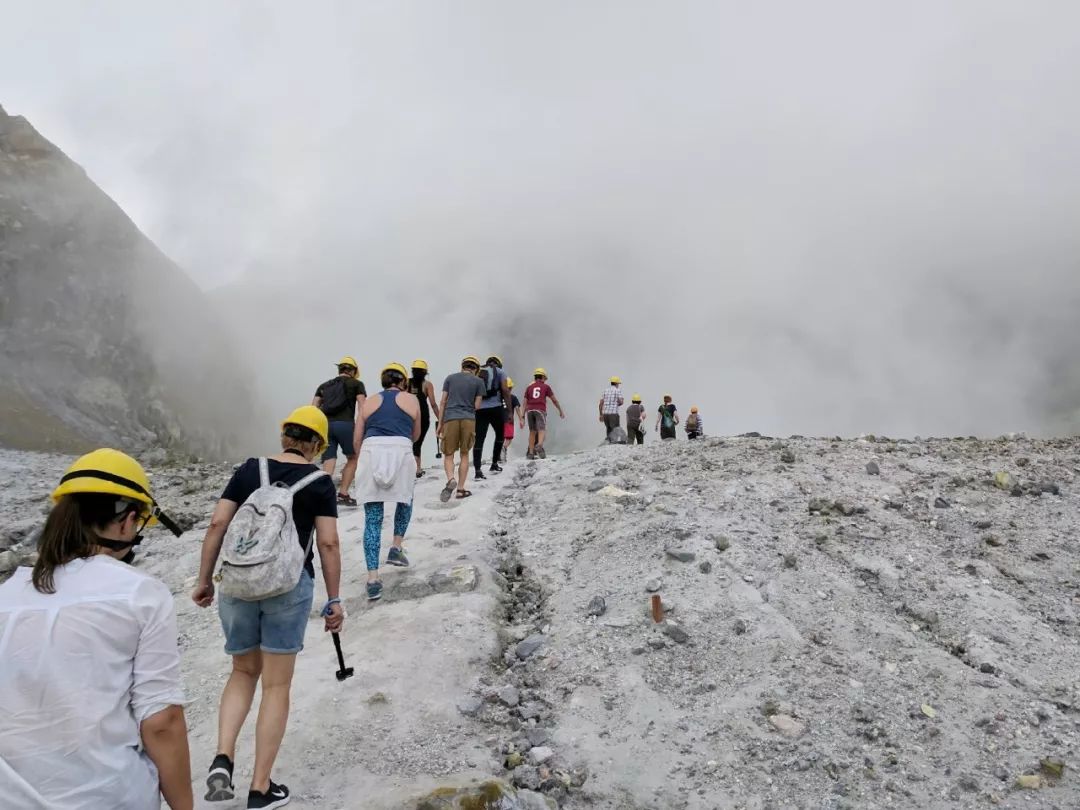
80, 669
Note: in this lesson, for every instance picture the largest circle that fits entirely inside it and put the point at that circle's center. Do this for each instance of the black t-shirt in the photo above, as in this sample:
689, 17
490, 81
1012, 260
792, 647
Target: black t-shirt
347, 412
508, 415
317, 499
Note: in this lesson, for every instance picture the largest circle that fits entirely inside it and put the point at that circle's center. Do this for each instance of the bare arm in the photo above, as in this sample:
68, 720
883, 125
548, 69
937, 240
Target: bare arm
555, 400
326, 540
442, 410
164, 737
477, 402
413, 410
361, 419
429, 389
203, 596
316, 400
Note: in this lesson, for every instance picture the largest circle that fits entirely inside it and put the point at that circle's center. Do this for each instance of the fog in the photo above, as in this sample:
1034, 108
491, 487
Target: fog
826, 218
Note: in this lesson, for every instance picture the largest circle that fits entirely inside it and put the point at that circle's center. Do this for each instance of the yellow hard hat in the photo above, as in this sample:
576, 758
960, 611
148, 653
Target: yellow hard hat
694, 409
616, 381
496, 358
420, 364
539, 373
400, 369
349, 360
312, 418
509, 382
636, 398
110, 472
471, 358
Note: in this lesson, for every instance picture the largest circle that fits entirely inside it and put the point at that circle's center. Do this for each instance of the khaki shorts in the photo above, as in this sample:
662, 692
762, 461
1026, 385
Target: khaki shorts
458, 435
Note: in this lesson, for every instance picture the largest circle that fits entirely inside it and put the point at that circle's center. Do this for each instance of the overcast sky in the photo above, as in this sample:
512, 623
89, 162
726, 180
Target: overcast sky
828, 217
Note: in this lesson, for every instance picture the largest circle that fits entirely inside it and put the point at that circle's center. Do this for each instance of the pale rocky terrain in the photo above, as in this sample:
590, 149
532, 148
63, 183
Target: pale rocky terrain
848, 624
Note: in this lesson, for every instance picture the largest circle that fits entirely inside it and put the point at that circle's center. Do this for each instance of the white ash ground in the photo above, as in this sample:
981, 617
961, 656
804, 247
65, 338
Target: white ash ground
914, 644
889, 649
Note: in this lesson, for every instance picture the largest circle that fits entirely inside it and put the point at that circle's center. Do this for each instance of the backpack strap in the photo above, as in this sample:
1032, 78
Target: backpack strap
264, 473
308, 479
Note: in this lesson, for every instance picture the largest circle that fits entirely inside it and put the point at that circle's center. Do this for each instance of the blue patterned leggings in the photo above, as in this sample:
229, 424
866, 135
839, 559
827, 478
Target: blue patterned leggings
373, 520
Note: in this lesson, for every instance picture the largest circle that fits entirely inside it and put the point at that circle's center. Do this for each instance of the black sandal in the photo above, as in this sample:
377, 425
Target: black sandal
463, 493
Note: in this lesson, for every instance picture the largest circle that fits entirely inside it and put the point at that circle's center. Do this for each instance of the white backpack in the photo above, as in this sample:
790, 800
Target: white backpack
261, 555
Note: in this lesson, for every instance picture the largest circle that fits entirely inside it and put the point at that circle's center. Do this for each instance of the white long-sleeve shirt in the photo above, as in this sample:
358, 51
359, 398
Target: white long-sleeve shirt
80, 669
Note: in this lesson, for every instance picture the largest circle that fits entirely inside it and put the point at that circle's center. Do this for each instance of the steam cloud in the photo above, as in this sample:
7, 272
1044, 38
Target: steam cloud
812, 218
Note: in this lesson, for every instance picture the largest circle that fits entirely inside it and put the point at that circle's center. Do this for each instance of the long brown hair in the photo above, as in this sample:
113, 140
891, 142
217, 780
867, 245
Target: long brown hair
69, 533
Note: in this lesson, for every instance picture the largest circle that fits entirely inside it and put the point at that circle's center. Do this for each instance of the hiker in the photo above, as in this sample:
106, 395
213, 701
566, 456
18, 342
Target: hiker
635, 420
536, 396
420, 386
340, 399
89, 664
389, 424
462, 394
491, 413
264, 626
610, 402
695, 428
514, 414
667, 417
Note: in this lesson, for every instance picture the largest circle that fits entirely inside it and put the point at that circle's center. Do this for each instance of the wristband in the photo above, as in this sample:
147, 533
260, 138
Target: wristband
326, 608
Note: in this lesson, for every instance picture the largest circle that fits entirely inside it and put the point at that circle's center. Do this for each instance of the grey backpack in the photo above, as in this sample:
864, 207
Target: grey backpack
261, 555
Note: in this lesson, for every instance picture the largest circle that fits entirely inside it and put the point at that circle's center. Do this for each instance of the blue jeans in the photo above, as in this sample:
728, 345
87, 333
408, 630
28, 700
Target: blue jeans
274, 625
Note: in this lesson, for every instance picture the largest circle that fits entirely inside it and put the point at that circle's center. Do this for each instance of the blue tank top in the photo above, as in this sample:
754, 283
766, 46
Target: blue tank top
389, 419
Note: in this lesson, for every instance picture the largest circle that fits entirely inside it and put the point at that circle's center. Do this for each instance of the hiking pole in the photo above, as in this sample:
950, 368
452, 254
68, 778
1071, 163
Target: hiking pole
344, 672
438, 444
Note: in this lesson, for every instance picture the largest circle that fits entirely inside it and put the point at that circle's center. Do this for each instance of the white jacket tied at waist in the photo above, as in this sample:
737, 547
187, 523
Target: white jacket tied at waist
386, 470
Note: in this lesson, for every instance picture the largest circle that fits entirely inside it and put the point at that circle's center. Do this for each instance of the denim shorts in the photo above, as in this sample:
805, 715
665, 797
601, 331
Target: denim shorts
274, 625
340, 435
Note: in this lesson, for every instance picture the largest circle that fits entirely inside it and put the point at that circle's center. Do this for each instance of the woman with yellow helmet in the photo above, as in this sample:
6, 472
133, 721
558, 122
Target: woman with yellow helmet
90, 664
263, 636
420, 386
389, 424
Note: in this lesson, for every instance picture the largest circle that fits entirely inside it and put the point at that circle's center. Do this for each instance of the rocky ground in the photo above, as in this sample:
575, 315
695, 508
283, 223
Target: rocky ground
843, 624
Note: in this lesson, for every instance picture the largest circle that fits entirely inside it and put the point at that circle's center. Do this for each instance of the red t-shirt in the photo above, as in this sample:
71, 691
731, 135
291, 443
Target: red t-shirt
536, 396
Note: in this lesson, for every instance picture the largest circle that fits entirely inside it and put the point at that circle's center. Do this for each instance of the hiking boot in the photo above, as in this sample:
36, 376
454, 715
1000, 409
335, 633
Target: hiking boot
480, 476
374, 591
275, 796
219, 786
396, 556
495, 468
540, 452
529, 455
344, 499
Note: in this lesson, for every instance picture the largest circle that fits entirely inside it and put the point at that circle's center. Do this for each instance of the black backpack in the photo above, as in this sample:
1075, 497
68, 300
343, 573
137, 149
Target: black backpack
335, 395
492, 382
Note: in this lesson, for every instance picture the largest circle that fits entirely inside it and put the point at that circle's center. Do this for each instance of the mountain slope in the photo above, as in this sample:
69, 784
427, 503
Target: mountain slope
103, 339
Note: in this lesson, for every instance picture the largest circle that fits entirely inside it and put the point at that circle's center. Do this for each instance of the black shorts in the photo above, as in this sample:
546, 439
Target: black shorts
341, 435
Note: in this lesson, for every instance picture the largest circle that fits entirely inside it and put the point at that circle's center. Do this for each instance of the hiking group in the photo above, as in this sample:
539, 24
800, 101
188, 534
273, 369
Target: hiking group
116, 736
667, 417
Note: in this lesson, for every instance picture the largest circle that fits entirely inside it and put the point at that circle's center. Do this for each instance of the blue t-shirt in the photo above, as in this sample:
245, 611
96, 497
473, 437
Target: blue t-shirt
317, 499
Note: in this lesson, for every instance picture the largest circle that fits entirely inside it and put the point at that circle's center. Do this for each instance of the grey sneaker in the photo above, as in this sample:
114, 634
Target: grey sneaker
396, 556
219, 784
374, 590
540, 452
